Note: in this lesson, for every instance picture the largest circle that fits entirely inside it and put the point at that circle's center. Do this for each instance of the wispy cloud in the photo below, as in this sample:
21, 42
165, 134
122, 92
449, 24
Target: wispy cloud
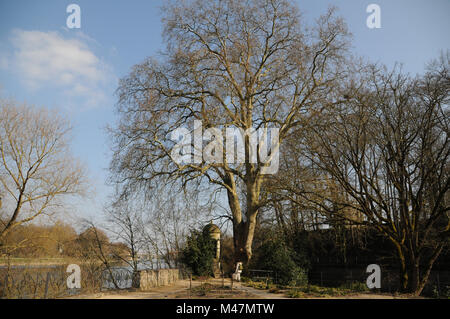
50, 60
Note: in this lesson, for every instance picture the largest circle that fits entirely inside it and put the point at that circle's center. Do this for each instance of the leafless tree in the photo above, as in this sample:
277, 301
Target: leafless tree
169, 217
153, 229
388, 149
243, 65
94, 249
125, 224
36, 168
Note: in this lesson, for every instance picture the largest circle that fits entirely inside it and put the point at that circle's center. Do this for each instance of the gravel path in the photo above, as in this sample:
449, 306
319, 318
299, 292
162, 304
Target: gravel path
181, 290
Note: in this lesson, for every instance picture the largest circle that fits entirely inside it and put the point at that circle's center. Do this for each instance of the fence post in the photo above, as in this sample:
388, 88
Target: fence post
321, 279
46, 285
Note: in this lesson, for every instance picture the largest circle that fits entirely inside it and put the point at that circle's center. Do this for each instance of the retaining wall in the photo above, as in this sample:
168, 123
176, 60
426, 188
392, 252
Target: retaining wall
157, 278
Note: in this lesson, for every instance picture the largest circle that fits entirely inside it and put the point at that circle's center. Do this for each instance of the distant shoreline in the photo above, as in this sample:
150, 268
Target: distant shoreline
31, 262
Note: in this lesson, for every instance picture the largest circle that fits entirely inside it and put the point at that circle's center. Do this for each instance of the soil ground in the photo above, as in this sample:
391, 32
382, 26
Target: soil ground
216, 289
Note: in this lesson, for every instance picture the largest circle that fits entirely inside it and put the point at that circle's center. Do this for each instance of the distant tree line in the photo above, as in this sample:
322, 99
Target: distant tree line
59, 240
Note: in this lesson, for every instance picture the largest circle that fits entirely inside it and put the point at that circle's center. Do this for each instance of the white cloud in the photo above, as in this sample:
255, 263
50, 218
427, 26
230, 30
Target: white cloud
49, 60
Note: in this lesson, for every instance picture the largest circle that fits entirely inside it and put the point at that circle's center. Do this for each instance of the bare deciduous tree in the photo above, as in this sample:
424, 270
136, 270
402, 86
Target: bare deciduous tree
244, 65
388, 149
126, 225
36, 168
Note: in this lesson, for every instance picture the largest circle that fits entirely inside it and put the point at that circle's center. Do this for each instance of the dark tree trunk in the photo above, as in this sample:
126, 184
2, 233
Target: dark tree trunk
240, 239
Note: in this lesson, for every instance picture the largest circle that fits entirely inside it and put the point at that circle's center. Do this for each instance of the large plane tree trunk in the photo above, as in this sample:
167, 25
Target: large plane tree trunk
244, 224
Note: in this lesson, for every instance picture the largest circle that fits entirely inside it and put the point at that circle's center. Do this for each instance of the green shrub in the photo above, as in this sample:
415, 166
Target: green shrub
444, 293
199, 252
274, 255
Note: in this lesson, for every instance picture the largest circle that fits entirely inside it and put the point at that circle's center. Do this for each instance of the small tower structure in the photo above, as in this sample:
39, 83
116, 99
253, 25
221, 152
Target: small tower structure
214, 231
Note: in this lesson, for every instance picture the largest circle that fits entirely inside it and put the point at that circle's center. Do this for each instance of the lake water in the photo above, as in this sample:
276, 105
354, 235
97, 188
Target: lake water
122, 274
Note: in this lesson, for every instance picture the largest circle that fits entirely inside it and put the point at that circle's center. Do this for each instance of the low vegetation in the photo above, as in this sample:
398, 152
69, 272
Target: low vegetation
306, 290
317, 291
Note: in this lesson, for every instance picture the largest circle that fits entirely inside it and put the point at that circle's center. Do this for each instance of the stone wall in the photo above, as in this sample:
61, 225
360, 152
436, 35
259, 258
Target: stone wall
156, 278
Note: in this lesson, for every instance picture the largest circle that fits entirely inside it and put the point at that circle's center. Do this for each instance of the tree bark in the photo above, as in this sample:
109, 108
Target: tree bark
243, 234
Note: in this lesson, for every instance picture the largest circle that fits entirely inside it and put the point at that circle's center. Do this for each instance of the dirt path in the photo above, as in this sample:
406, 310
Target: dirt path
173, 291
181, 290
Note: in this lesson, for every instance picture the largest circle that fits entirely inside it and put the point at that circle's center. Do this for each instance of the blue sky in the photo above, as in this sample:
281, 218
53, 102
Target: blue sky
35, 65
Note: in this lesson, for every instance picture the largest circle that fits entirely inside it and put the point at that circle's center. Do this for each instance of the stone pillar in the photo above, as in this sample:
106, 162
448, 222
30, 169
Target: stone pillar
215, 234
